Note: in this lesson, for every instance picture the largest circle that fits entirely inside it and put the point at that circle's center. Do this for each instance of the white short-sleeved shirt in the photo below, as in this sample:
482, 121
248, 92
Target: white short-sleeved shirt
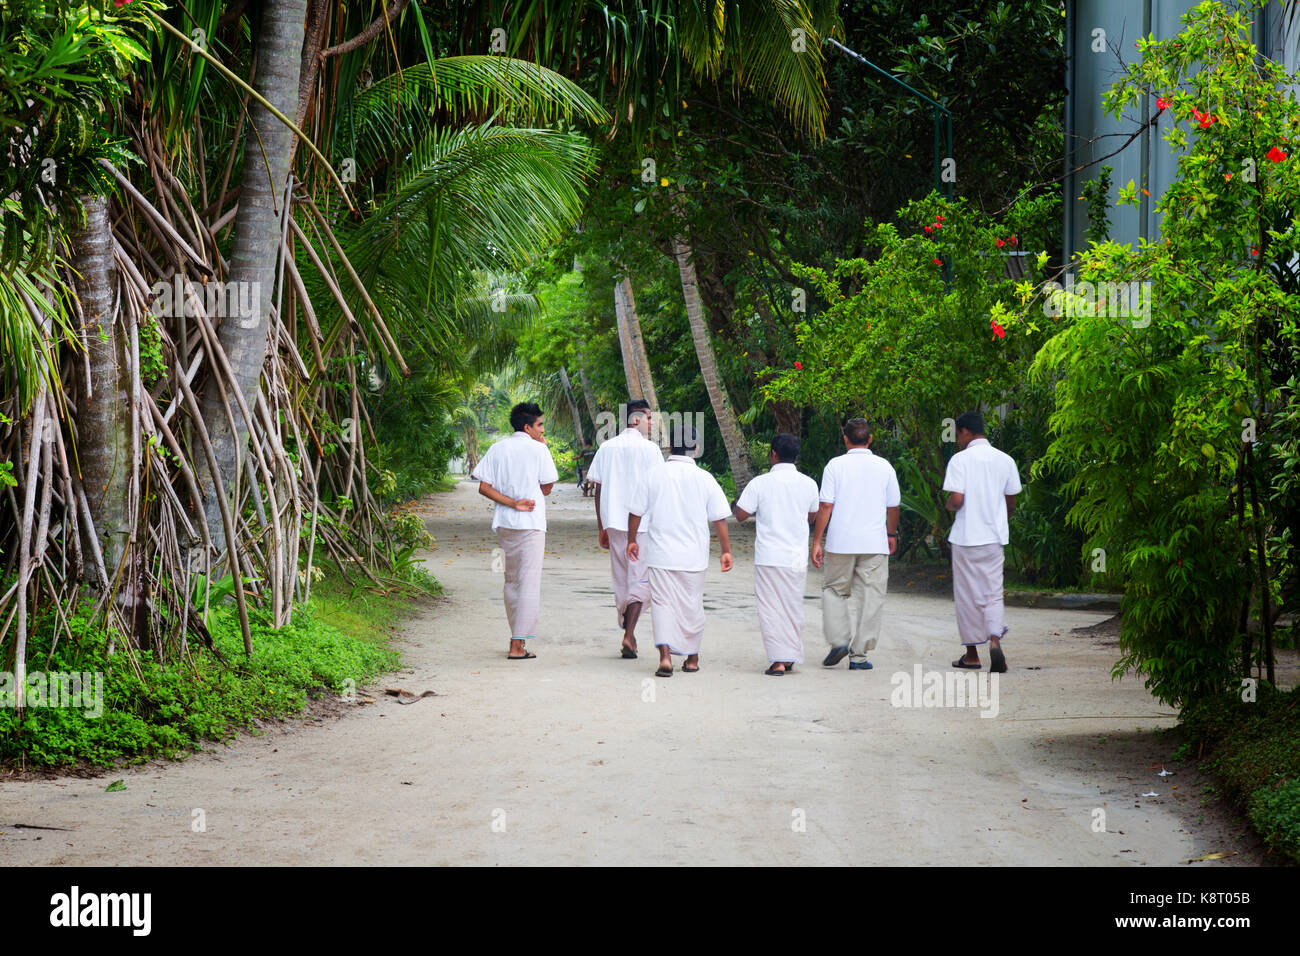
780, 502
622, 464
681, 500
984, 476
861, 486
517, 467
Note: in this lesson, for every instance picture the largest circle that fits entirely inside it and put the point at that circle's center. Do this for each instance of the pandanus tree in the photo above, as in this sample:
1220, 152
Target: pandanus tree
200, 199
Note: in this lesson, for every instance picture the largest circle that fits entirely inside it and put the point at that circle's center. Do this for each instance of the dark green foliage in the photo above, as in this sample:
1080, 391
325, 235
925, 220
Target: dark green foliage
1254, 749
168, 711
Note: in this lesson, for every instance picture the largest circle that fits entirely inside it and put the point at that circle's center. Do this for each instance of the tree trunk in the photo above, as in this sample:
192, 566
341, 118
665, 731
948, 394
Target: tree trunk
728, 425
638, 345
588, 396
573, 408
268, 145
103, 406
631, 368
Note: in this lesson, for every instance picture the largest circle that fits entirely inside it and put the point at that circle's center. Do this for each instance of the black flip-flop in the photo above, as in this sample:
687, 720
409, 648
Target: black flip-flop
773, 672
628, 653
997, 661
690, 670
963, 665
527, 656
664, 672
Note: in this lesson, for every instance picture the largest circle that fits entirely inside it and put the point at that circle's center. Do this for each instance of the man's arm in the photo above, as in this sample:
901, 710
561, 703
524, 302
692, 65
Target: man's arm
633, 523
546, 489
891, 527
824, 510
601, 534
741, 514
954, 502
1011, 505
518, 504
724, 539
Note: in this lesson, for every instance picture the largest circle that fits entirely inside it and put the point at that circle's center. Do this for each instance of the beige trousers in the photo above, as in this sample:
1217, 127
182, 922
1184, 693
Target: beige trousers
853, 600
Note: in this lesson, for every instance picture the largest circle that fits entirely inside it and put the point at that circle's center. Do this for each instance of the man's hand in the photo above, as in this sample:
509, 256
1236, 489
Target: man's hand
524, 504
726, 560
893, 543
817, 554
604, 538
633, 552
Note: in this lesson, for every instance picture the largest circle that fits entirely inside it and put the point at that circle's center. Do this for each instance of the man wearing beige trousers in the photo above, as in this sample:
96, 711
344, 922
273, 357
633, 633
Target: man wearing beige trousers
858, 515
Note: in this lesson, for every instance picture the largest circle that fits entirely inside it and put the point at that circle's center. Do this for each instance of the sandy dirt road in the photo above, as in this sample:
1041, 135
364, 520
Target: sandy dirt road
581, 757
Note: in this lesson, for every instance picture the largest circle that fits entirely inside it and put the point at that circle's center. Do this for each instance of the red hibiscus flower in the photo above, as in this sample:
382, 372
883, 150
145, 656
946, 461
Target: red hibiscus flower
1227, 176
998, 330
1203, 119
999, 243
1012, 240
927, 229
938, 225
938, 262
1162, 103
938, 218
799, 366
1276, 155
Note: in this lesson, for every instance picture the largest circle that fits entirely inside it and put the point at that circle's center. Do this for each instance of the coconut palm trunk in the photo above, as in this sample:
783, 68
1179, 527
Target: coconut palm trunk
631, 368
638, 345
268, 146
742, 471
103, 406
573, 408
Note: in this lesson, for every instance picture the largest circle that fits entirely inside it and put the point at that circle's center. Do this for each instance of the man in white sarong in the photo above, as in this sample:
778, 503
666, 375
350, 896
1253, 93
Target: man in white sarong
680, 505
621, 465
518, 473
982, 483
783, 503
859, 514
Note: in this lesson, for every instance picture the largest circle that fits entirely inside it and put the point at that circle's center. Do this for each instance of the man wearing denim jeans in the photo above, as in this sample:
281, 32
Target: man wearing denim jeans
859, 516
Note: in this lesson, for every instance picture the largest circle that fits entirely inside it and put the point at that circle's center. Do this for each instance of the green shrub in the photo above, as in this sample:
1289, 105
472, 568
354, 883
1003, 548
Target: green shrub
155, 710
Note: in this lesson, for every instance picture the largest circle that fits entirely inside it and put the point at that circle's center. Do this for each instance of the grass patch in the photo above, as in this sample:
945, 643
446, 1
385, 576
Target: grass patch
151, 710
1254, 751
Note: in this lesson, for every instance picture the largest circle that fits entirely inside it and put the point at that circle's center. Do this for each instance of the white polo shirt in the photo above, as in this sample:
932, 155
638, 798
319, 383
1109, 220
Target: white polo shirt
622, 464
681, 501
780, 502
984, 475
861, 486
517, 467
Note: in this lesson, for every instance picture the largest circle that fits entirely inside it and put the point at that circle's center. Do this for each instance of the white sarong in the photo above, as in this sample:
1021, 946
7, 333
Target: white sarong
631, 580
523, 550
977, 591
677, 600
778, 595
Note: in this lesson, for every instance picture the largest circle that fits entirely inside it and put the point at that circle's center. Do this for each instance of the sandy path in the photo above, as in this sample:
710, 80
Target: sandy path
563, 760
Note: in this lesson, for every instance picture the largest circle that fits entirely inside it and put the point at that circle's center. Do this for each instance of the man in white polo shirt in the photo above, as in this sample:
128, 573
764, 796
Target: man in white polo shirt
982, 483
782, 502
859, 514
518, 473
622, 464
681, 504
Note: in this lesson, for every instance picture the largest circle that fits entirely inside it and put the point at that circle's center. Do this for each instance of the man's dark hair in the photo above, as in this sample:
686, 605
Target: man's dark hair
786, 447
525, 413
682, 439
973, 422
635, 407
857, 431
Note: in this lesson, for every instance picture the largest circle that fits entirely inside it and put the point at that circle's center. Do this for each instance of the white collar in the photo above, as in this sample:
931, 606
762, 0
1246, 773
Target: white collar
858, 451
783, 466
687, 459
977, 441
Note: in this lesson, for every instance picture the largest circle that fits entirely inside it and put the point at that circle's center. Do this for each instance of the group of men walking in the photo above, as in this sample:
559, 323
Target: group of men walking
654, 516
